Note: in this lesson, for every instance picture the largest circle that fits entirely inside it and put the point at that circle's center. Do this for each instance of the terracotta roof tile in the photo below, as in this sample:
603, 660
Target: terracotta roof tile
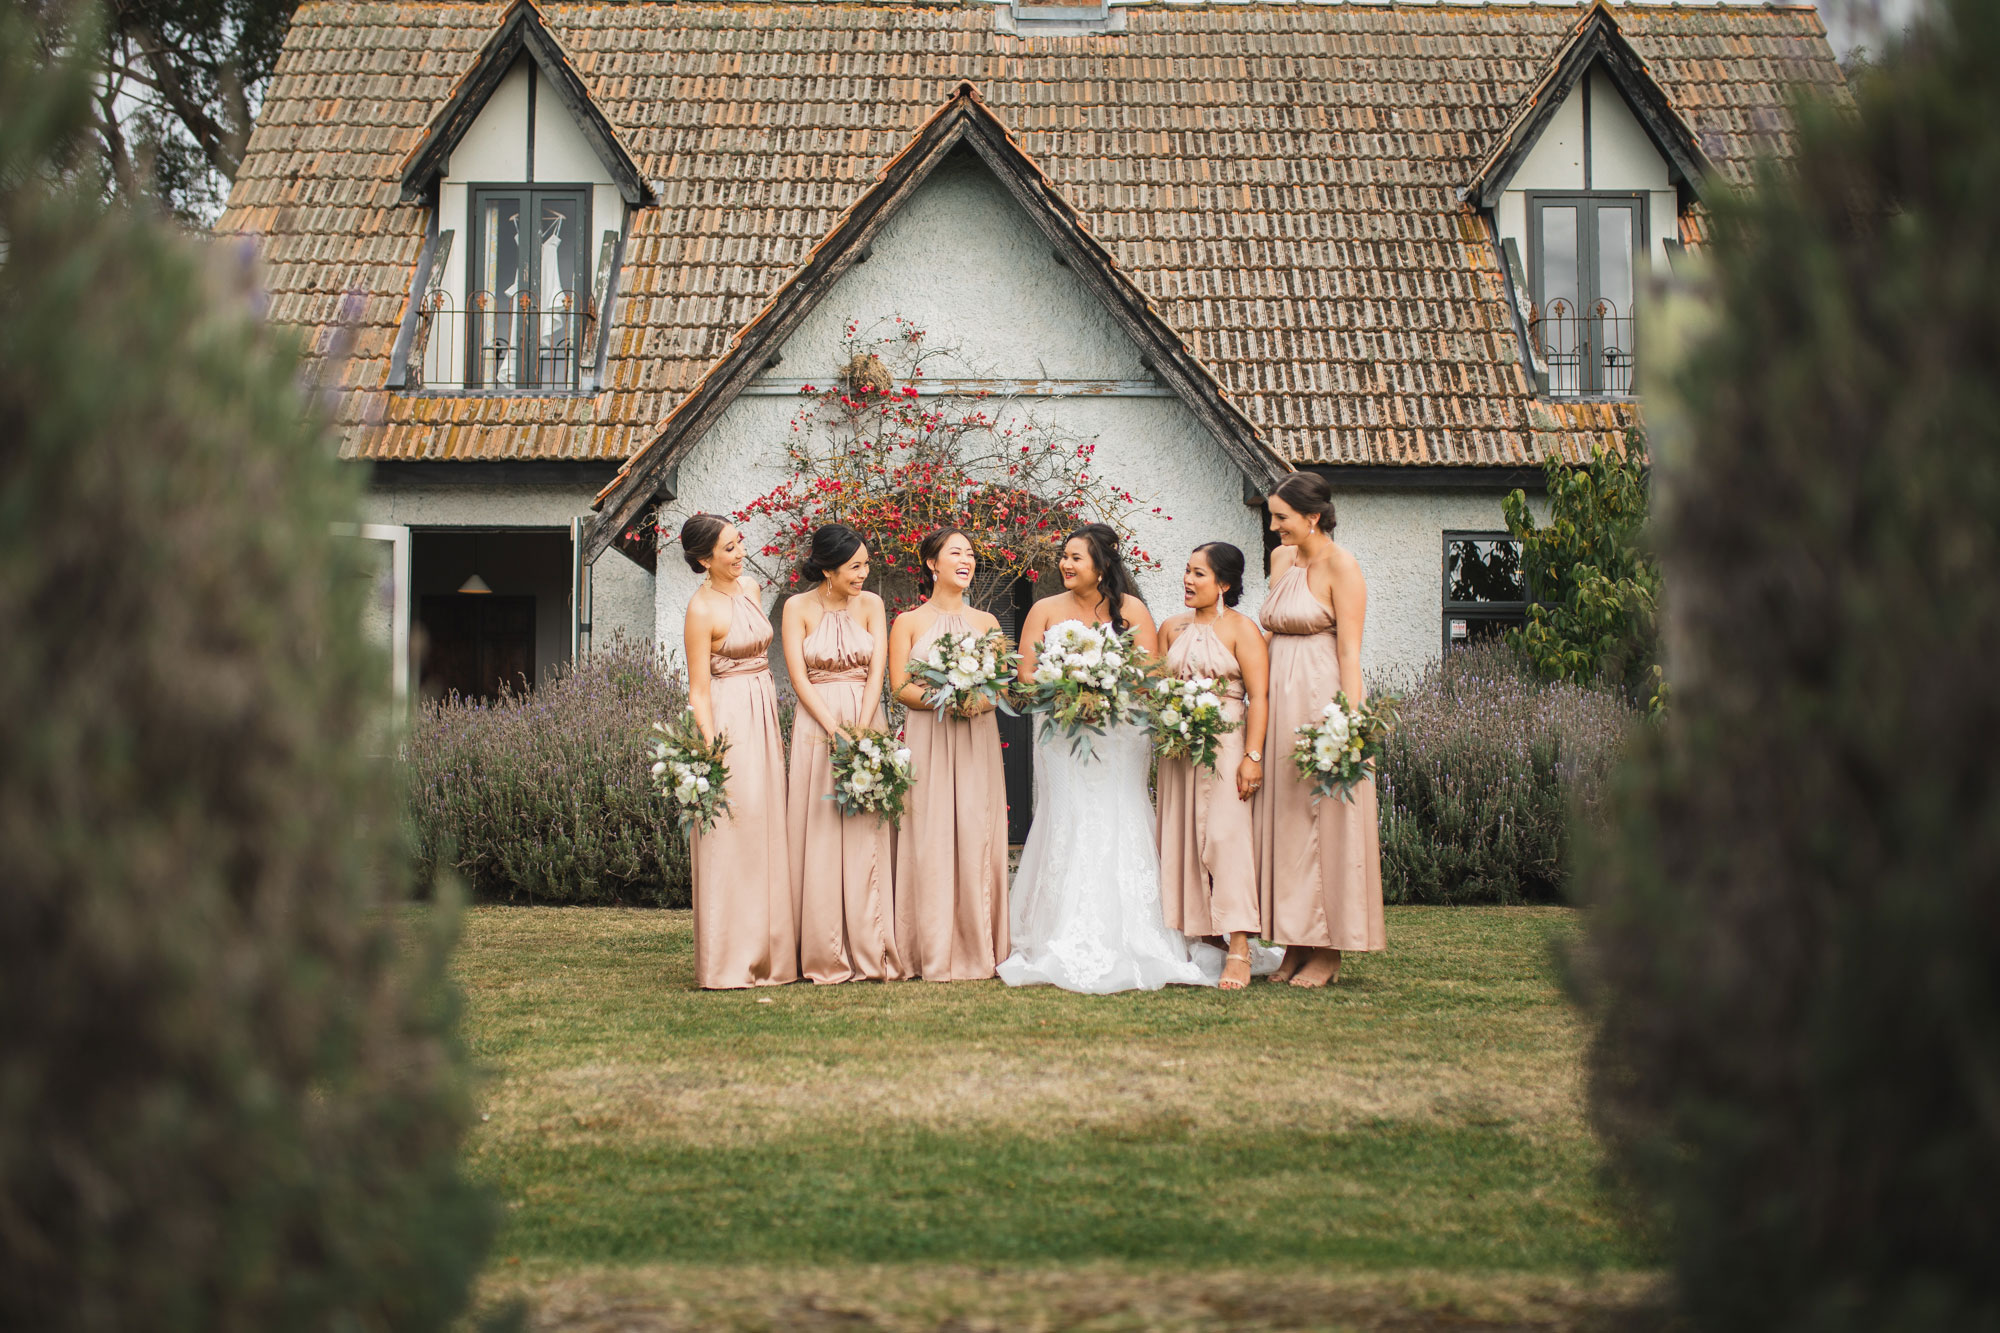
1279, 178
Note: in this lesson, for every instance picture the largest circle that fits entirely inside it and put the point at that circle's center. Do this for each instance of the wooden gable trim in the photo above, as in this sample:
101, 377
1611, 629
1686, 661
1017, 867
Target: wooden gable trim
521, 30
963, 121
1597, 40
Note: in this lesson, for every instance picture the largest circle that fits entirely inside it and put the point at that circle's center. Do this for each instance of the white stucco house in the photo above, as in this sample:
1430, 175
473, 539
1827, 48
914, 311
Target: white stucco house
589, 254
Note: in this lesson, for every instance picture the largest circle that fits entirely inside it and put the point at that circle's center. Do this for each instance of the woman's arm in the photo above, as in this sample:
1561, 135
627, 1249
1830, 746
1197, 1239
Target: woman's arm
902, 638
1255, 660
874, 619
1350, 610
1140, 621
795, 631
1031, 636
696, 638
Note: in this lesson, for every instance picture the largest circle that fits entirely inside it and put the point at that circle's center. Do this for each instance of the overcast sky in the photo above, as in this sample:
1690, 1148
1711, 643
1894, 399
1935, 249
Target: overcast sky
1851, 23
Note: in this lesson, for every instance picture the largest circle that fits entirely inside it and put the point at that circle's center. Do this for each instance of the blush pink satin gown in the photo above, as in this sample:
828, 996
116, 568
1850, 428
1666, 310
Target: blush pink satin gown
843, 880
1319, 874
745, 930
951, 853
1208, 845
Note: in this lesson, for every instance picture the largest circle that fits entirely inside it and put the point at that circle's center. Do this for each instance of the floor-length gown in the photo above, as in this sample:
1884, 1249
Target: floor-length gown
1087, 913
1319, 874
1207, 835
951, 852
745, 930
843, 878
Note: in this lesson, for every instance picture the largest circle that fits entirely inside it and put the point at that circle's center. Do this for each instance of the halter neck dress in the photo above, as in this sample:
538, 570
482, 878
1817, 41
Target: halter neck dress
745, 927
1319, 874
843, 879
1208, 851
951, 852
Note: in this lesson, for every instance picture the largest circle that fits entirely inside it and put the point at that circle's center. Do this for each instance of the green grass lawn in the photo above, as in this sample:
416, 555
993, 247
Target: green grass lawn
1410, 1143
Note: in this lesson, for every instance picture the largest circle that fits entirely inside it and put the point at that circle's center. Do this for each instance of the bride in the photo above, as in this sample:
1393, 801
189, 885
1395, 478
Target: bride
1086, 901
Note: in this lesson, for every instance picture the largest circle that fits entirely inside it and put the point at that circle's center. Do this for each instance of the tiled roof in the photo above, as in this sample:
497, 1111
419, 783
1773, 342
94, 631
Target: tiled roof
1280, 179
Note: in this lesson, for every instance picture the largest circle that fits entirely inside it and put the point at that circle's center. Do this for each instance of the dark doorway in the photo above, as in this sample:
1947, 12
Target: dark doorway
523, 634
476, 643
1017, 734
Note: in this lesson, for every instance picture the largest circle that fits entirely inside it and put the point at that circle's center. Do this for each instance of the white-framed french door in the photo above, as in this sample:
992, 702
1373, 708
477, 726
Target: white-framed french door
387, 616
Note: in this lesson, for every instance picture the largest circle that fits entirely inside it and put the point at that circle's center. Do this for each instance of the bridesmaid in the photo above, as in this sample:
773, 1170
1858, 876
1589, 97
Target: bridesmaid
951, 853
1208, 860
745, 930
1320, 866
836, 646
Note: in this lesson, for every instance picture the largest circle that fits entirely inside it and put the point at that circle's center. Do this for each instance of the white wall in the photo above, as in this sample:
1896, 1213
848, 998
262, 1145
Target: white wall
622, 592
967, 265
1397, 537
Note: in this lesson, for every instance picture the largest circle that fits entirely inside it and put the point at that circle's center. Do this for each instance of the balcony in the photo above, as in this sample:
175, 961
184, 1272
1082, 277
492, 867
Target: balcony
1585, 353
510, 344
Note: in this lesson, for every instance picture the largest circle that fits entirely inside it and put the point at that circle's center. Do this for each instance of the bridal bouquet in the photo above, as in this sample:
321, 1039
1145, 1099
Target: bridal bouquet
1337, 753
691, 772
1087, 678
1188, 721
871, 771
959, 668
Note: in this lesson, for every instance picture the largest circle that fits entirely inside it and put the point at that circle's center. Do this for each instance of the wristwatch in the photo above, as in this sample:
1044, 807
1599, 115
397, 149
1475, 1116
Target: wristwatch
1254, 756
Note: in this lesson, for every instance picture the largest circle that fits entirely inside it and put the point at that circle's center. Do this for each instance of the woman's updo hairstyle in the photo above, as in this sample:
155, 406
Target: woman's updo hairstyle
833, 545
698, 538
1114, 581
1226, 563
927, 552
1310, 495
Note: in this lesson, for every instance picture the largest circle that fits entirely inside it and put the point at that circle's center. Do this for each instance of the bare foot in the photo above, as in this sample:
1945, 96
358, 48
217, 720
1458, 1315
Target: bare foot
1236, 970
1323, 970
1295, 958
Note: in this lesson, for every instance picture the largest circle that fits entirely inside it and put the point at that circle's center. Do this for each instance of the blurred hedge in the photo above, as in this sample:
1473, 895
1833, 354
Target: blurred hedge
1795, 956
1484, 777
230, 1094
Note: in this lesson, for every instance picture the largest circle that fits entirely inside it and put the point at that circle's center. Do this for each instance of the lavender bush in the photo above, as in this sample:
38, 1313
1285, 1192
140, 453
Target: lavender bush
1483, 777
544, 796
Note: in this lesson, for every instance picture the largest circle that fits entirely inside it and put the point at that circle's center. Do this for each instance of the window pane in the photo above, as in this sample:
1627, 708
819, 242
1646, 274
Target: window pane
1560, 325
500, 237
559, 232
1613, 307
1484, 569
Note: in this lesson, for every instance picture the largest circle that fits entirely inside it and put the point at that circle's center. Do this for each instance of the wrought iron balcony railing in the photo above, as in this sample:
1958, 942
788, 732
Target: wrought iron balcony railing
508, 343
1585, 352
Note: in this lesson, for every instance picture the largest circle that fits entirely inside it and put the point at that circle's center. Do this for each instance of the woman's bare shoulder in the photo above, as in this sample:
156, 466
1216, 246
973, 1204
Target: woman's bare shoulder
1284, 558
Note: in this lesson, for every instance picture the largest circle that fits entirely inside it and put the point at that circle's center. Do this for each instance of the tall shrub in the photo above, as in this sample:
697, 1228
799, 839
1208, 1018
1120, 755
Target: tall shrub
230, 1097
1484, 777
1596, 587
1796, 959
545, 795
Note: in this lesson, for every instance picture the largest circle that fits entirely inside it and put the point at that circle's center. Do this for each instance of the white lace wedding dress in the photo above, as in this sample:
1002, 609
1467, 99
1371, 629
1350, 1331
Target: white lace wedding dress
1086, 900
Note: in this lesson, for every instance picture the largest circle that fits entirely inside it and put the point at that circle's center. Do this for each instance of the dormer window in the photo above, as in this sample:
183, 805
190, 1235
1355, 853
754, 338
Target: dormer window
1584, 193
530, 193
528, 311
1584, 251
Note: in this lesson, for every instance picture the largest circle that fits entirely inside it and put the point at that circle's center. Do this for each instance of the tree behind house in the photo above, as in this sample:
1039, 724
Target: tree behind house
1796, 950
230, 1097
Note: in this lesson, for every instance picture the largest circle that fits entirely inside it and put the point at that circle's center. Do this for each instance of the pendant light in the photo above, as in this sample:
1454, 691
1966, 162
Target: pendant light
475, 584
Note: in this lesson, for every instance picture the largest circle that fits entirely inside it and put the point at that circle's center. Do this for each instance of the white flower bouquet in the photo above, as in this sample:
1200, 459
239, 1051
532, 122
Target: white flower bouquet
1188, 721
1337, 753
959, 669
691, 772
871, 772
1088, 678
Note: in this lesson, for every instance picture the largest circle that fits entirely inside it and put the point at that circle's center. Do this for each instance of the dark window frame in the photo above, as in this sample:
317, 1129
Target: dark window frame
531, 195
1587, 203
1491, 613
